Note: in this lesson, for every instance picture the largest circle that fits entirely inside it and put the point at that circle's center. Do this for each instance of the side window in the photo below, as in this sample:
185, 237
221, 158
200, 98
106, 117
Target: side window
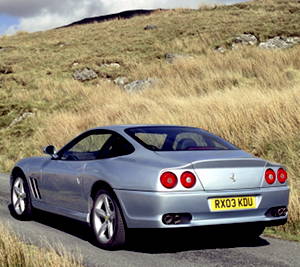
116, 146
98, 146
154, 141
91, 143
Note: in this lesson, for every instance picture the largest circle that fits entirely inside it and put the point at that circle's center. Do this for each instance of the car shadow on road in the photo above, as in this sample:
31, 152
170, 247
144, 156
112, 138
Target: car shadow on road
64, 224
157, 241
178, 240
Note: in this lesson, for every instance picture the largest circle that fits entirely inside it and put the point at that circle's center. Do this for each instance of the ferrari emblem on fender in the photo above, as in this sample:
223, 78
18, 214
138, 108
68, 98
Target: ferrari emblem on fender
232, 177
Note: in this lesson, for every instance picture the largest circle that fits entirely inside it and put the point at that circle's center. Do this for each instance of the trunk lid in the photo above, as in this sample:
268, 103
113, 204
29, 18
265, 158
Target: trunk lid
230, 174
222, 169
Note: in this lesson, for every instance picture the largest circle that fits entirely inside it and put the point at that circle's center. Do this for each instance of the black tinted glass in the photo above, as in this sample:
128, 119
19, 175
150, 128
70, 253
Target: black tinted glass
96, 145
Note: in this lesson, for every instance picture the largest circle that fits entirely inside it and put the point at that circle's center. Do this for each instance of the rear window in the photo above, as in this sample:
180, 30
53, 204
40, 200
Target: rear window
172, 138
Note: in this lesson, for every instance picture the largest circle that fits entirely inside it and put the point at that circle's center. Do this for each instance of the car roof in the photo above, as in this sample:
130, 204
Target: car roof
126, 126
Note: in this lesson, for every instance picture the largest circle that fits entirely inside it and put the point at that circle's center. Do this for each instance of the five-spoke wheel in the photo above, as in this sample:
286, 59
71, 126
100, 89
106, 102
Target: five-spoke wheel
106, 221
20, 199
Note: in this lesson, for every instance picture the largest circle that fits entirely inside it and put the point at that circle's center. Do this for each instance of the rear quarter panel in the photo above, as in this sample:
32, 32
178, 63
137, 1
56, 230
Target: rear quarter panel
127, 172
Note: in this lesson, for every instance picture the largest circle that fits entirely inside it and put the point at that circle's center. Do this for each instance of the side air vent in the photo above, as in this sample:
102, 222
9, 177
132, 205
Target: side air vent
35, 188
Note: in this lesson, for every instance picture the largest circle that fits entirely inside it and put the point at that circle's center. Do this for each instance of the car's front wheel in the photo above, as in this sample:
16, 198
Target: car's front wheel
107, 222
20, 199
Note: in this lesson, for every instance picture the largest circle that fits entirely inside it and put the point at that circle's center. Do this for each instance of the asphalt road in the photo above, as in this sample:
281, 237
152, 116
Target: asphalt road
155, 248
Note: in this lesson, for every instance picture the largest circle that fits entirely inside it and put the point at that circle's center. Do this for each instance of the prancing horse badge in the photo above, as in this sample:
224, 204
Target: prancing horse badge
232, 177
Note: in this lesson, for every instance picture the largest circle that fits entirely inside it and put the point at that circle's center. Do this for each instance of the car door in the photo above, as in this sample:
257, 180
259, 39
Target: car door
61, 184
62, 178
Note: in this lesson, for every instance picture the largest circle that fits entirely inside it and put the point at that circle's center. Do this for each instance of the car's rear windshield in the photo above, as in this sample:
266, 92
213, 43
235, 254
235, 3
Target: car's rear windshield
173, 138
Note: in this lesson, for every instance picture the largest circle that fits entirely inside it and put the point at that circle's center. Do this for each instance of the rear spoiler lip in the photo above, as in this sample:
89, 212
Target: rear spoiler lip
209, 163
231, 163
275, 165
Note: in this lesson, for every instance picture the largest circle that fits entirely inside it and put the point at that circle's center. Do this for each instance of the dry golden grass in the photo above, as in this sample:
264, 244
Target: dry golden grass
250, 96
259, 120
13, 252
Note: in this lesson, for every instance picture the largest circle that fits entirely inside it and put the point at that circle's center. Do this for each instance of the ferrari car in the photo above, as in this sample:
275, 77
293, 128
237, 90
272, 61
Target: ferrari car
151, 176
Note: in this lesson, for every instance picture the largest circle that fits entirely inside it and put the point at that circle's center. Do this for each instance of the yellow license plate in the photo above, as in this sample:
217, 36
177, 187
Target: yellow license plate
232, 203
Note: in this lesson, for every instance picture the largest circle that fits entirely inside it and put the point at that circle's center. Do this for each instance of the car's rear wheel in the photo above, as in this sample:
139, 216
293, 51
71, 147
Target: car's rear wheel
107, 222
20, 199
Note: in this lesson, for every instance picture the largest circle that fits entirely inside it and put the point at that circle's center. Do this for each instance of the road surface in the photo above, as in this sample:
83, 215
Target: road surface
156, 248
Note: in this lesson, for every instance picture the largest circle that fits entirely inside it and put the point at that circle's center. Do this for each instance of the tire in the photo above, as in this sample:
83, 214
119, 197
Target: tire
107, 222
21, 199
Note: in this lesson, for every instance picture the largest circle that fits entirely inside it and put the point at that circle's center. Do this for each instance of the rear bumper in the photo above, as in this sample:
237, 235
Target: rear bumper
146, 209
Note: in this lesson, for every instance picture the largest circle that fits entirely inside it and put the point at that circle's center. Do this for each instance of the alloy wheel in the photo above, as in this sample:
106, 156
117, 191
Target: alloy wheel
19, 196
104, 218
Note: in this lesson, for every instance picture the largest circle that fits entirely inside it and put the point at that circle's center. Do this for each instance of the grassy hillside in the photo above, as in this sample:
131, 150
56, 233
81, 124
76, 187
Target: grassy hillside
249, 96
31, 256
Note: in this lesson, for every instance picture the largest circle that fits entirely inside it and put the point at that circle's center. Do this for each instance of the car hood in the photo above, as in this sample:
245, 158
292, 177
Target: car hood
186, 157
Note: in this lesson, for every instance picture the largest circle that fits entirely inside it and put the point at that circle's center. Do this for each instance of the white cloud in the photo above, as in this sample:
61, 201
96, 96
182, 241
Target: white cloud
38, 15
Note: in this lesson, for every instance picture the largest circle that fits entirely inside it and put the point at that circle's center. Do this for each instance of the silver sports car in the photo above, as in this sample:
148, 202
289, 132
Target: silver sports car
151, 176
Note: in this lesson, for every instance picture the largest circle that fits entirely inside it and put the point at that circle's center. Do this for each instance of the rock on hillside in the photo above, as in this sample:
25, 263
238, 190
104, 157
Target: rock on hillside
85, 74
277, 42
245, 39
280, 42
139, 85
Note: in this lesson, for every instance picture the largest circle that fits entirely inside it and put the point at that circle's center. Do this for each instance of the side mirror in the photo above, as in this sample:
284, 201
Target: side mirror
50, 150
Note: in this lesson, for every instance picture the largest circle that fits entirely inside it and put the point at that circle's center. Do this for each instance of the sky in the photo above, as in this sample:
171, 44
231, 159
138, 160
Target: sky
37, 15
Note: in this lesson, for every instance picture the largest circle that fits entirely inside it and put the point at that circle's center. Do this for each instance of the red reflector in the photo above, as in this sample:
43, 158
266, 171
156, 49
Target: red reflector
281, 176
168, 179
270, 176
188, 179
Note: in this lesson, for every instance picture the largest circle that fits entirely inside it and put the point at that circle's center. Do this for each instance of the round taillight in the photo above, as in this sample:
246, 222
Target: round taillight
188, 179
281, 175
270, 176
168, 179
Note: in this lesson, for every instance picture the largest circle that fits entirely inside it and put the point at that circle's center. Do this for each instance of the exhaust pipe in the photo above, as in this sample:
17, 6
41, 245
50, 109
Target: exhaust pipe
277, 212
176, 218
168, 219
282, 212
